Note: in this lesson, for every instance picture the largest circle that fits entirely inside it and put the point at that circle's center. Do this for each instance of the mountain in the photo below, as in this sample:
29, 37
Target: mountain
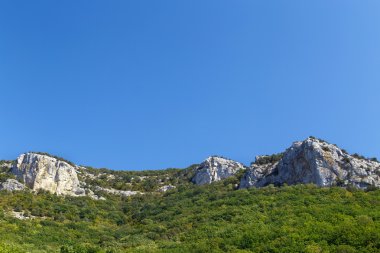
313, 197
313, 161
310, 161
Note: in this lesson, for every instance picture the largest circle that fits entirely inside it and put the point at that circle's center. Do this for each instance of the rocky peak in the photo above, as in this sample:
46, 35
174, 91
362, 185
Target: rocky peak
42, 171
216, 168
314, 161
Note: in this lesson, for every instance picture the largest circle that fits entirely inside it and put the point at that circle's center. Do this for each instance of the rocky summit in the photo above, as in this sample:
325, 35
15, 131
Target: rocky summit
215, 169
38, 171
314, 161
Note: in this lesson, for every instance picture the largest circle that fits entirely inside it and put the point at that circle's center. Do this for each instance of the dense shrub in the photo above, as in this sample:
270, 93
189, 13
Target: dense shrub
209, 218
269, 159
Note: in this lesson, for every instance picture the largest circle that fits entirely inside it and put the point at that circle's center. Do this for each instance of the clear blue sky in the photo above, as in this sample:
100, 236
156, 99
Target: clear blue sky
157, 84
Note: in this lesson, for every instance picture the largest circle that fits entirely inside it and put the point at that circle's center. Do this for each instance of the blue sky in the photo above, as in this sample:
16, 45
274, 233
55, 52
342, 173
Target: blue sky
157, 84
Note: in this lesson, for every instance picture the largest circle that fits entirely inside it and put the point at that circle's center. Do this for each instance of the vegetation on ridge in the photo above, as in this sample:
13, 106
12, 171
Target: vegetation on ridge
146, 181
266, 159
54, 156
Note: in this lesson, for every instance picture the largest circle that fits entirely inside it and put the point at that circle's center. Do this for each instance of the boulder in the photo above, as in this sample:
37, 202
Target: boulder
165, 188
12, 185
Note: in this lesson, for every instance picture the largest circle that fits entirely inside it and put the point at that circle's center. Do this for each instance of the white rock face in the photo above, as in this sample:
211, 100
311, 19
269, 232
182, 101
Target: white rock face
92, 195
48, 173
215, 169
117, 192
314, 161
19, 215
12, 185
166, 188
256, 173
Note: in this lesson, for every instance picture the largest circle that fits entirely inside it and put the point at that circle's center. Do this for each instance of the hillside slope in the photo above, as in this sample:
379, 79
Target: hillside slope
314, 197
208, 218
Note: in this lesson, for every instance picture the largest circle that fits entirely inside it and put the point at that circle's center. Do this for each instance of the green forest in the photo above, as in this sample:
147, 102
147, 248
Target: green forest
209, 218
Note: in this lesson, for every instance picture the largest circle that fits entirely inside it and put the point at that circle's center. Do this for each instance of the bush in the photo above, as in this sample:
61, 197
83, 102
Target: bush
356, 155
325, 148
269, 159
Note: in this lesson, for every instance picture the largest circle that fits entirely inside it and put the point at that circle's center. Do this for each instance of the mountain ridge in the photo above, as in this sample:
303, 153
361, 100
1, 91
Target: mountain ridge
310, 161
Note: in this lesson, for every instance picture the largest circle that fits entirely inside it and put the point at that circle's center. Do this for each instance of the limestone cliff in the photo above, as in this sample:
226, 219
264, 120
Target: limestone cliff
45, 172
315, 161
309, 161
215, 169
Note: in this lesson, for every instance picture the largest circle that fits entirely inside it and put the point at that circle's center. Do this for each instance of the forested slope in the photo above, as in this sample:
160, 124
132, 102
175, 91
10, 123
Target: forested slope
209, 218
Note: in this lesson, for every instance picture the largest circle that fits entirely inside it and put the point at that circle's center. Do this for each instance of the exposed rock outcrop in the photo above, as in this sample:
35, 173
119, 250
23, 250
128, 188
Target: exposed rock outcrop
117, 192
39, 171
257, 172
166, 188
92, 195
314, 161
12, 185
19, 215
216, 168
